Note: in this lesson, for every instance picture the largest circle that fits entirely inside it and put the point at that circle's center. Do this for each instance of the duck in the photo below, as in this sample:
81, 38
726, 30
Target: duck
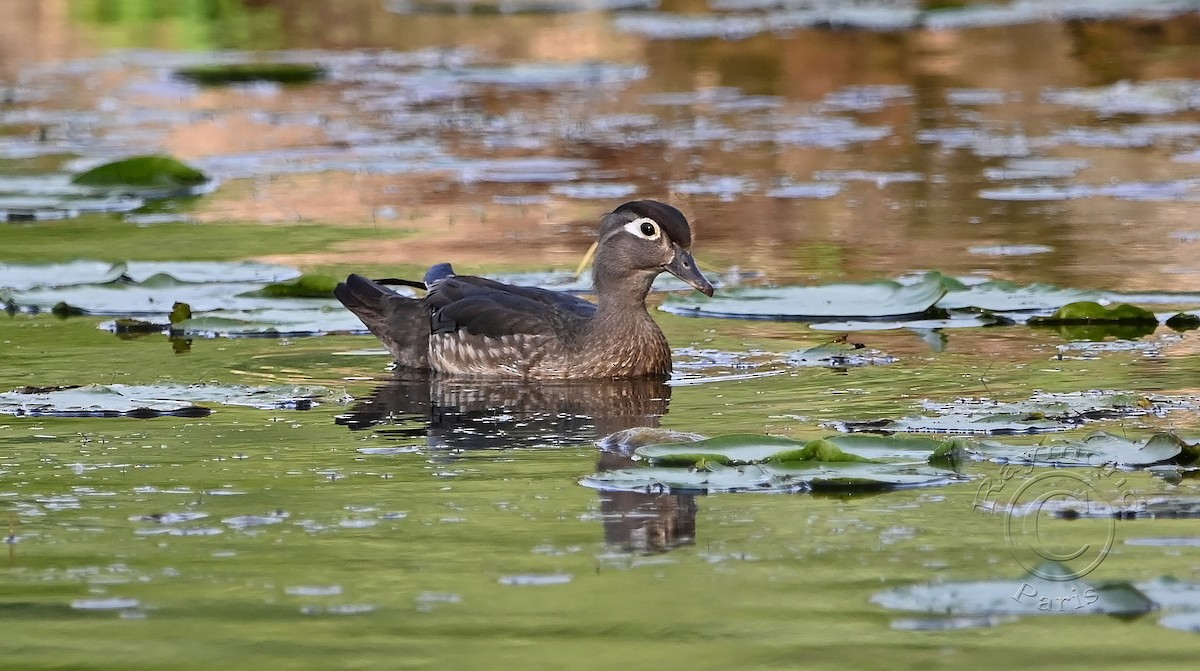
467, 326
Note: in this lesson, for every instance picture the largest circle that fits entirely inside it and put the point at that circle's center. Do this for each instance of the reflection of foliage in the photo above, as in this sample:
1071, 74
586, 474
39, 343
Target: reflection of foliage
184, 24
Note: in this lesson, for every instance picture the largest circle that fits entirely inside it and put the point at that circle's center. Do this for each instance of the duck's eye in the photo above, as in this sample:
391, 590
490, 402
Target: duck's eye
644, 228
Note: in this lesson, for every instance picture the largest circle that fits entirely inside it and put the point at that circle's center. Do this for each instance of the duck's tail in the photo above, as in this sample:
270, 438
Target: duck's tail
401, 323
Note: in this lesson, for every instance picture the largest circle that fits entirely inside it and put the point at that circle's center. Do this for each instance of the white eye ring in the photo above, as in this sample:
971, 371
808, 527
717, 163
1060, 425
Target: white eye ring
640, 225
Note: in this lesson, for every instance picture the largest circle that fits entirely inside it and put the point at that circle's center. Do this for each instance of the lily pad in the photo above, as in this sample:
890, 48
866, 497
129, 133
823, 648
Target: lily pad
1184, 321
1101, 449
1003, 296
769, 478
321, 319
743, 449
25, 276
305, 286
952, 321
147, 176
1072, 407
233, 73
1033, 594
1091, 312
879, 299
740, 449
839, 355
628, 440
151, 400
1000, 424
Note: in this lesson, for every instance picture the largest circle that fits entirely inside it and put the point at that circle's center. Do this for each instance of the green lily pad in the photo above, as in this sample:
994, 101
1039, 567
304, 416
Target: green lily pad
712, 477
727, 450
741, 449
823, 476
958, 423
233, 73
1003, 296
1184, 321
955, 320
305, 286
1069, 407
1100, 449
1046, 591
150, 400
626, 440
143, 172
1090, 312
877, 299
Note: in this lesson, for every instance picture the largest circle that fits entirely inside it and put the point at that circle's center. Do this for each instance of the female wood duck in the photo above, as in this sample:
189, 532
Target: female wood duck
472, 326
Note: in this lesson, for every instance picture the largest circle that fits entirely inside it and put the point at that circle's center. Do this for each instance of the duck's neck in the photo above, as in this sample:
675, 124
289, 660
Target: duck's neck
622, 296
622, 333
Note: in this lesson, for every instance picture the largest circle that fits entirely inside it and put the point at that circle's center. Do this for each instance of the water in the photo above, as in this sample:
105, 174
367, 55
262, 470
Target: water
384, 521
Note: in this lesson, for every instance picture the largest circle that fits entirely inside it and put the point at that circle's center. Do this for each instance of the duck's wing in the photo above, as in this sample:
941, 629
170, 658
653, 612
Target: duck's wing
494, 309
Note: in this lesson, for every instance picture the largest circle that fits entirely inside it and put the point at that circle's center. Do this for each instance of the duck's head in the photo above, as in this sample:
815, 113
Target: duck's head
641, 239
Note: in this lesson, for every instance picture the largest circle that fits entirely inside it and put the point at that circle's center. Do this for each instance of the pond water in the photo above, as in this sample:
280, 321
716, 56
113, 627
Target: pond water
198, 501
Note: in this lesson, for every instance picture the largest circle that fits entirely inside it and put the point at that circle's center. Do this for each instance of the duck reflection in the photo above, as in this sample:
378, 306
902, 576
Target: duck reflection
454, 415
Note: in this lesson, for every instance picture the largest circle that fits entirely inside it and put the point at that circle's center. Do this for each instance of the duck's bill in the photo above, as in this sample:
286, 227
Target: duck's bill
684, 267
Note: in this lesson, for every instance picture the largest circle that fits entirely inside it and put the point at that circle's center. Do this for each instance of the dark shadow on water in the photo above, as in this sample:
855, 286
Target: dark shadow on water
450, 416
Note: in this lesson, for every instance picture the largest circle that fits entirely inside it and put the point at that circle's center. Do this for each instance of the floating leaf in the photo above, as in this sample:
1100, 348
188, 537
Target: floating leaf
1184, 321
305, 286
137, 327
180, 312
627, 440
881, 298
744, 449
143, 172
775, 477
821, 476
1002, 424
1090, 312
324, 318
838, 355
1034, 594
955, 320
62, 310
150, 400
1100, 449
233, 73
1002, 296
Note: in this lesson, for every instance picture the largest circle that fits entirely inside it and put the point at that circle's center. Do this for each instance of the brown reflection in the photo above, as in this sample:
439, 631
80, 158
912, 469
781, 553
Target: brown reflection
453, 415
867, 231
